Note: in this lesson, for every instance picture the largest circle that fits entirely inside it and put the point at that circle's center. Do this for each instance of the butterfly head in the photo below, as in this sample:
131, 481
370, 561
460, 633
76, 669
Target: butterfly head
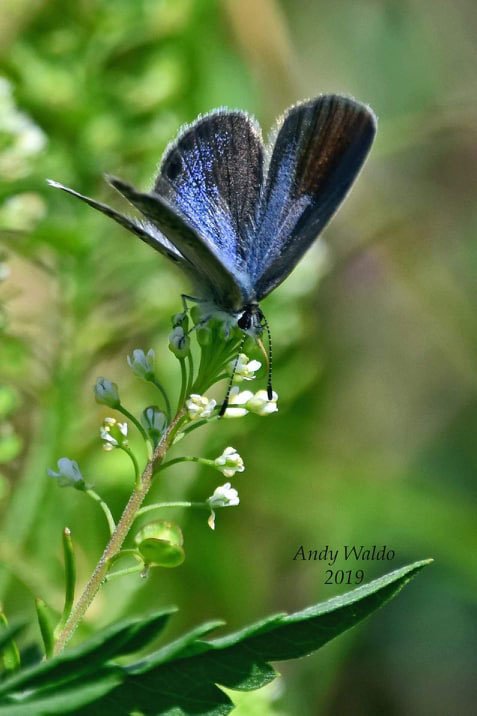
251, 320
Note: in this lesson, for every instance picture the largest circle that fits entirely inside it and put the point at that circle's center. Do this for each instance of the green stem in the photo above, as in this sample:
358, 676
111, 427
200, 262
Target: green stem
191, 373
165, 397
161, 505
94, 496
137, 471
126, 553
135, 421
183, 382
119, 535
124, 572
199, 424
185, 458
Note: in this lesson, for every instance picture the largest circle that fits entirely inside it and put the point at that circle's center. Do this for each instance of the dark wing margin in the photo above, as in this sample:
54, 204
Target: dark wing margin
146, 233
213, 175
224, 286
319, 150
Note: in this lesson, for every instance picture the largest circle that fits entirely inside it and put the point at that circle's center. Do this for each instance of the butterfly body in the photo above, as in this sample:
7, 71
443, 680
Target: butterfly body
236, 216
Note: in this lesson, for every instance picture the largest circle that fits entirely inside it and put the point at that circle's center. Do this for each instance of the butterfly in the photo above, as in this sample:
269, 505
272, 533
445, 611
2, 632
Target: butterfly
237, 215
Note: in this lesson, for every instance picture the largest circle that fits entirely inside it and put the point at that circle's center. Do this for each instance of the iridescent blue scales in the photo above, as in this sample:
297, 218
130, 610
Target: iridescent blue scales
237, 216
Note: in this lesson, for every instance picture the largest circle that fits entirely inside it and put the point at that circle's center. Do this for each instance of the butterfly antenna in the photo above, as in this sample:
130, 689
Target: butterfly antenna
229, 387
269, 335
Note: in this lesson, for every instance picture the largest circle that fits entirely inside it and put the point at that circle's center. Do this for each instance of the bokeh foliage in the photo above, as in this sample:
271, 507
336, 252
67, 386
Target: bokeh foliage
376, 367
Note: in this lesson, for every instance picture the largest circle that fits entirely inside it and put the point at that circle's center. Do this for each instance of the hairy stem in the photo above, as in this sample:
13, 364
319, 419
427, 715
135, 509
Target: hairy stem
119, 535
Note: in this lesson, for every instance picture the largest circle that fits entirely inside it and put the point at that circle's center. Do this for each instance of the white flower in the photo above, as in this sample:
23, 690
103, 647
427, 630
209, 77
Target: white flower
224, 496
245, 368
199, 406
69, 474
237, 402
241, 402
113, 434
229, 462
261, 405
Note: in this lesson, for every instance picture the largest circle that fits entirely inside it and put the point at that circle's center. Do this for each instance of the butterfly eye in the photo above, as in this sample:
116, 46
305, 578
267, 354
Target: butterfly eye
245, 320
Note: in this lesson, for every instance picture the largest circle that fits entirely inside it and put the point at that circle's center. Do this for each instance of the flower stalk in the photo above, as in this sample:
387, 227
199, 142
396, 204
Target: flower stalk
119, 535
160, 544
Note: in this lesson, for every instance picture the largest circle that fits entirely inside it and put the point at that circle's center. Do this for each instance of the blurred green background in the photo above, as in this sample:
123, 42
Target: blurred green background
375, 334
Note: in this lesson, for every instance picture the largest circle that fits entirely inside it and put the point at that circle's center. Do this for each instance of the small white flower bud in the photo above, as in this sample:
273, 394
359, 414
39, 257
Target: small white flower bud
179, 342
245, 368
229, 462
237, 403
199, 406
69, 474
154, 421
261, 405
106, 393
142, 364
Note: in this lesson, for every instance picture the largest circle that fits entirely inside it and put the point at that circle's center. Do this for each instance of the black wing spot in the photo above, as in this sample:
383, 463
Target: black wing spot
174, 166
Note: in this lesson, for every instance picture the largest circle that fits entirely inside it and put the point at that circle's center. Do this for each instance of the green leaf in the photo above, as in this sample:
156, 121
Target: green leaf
182, 677
117, 640
10, 632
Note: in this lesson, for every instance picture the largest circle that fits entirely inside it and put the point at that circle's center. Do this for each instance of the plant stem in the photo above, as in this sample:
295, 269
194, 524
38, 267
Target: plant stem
137, 471
124, 572
165, 397
119, 535
94, 496
176, 460
184, 381
161, 505
135, 421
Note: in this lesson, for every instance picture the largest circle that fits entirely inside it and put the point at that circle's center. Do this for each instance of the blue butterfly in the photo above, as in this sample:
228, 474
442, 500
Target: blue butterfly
237, 216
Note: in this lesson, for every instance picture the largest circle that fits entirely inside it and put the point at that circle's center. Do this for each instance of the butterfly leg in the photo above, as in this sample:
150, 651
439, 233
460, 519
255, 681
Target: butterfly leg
193, 299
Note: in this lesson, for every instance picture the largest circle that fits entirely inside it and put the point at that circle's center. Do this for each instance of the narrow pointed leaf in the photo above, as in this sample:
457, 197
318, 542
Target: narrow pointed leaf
183, 678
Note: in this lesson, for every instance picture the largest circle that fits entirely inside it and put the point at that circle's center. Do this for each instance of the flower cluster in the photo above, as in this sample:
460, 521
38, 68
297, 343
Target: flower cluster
218, 341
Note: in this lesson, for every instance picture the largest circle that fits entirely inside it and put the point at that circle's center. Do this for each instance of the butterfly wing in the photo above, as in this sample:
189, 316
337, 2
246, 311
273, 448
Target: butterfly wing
205, 200
208, 274
212, 174
146, 232
319, 149
213, 275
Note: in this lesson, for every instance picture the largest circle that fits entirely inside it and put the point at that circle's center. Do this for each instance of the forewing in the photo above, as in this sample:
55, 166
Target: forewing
213, 175
319, 150
225, 286
146, 232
